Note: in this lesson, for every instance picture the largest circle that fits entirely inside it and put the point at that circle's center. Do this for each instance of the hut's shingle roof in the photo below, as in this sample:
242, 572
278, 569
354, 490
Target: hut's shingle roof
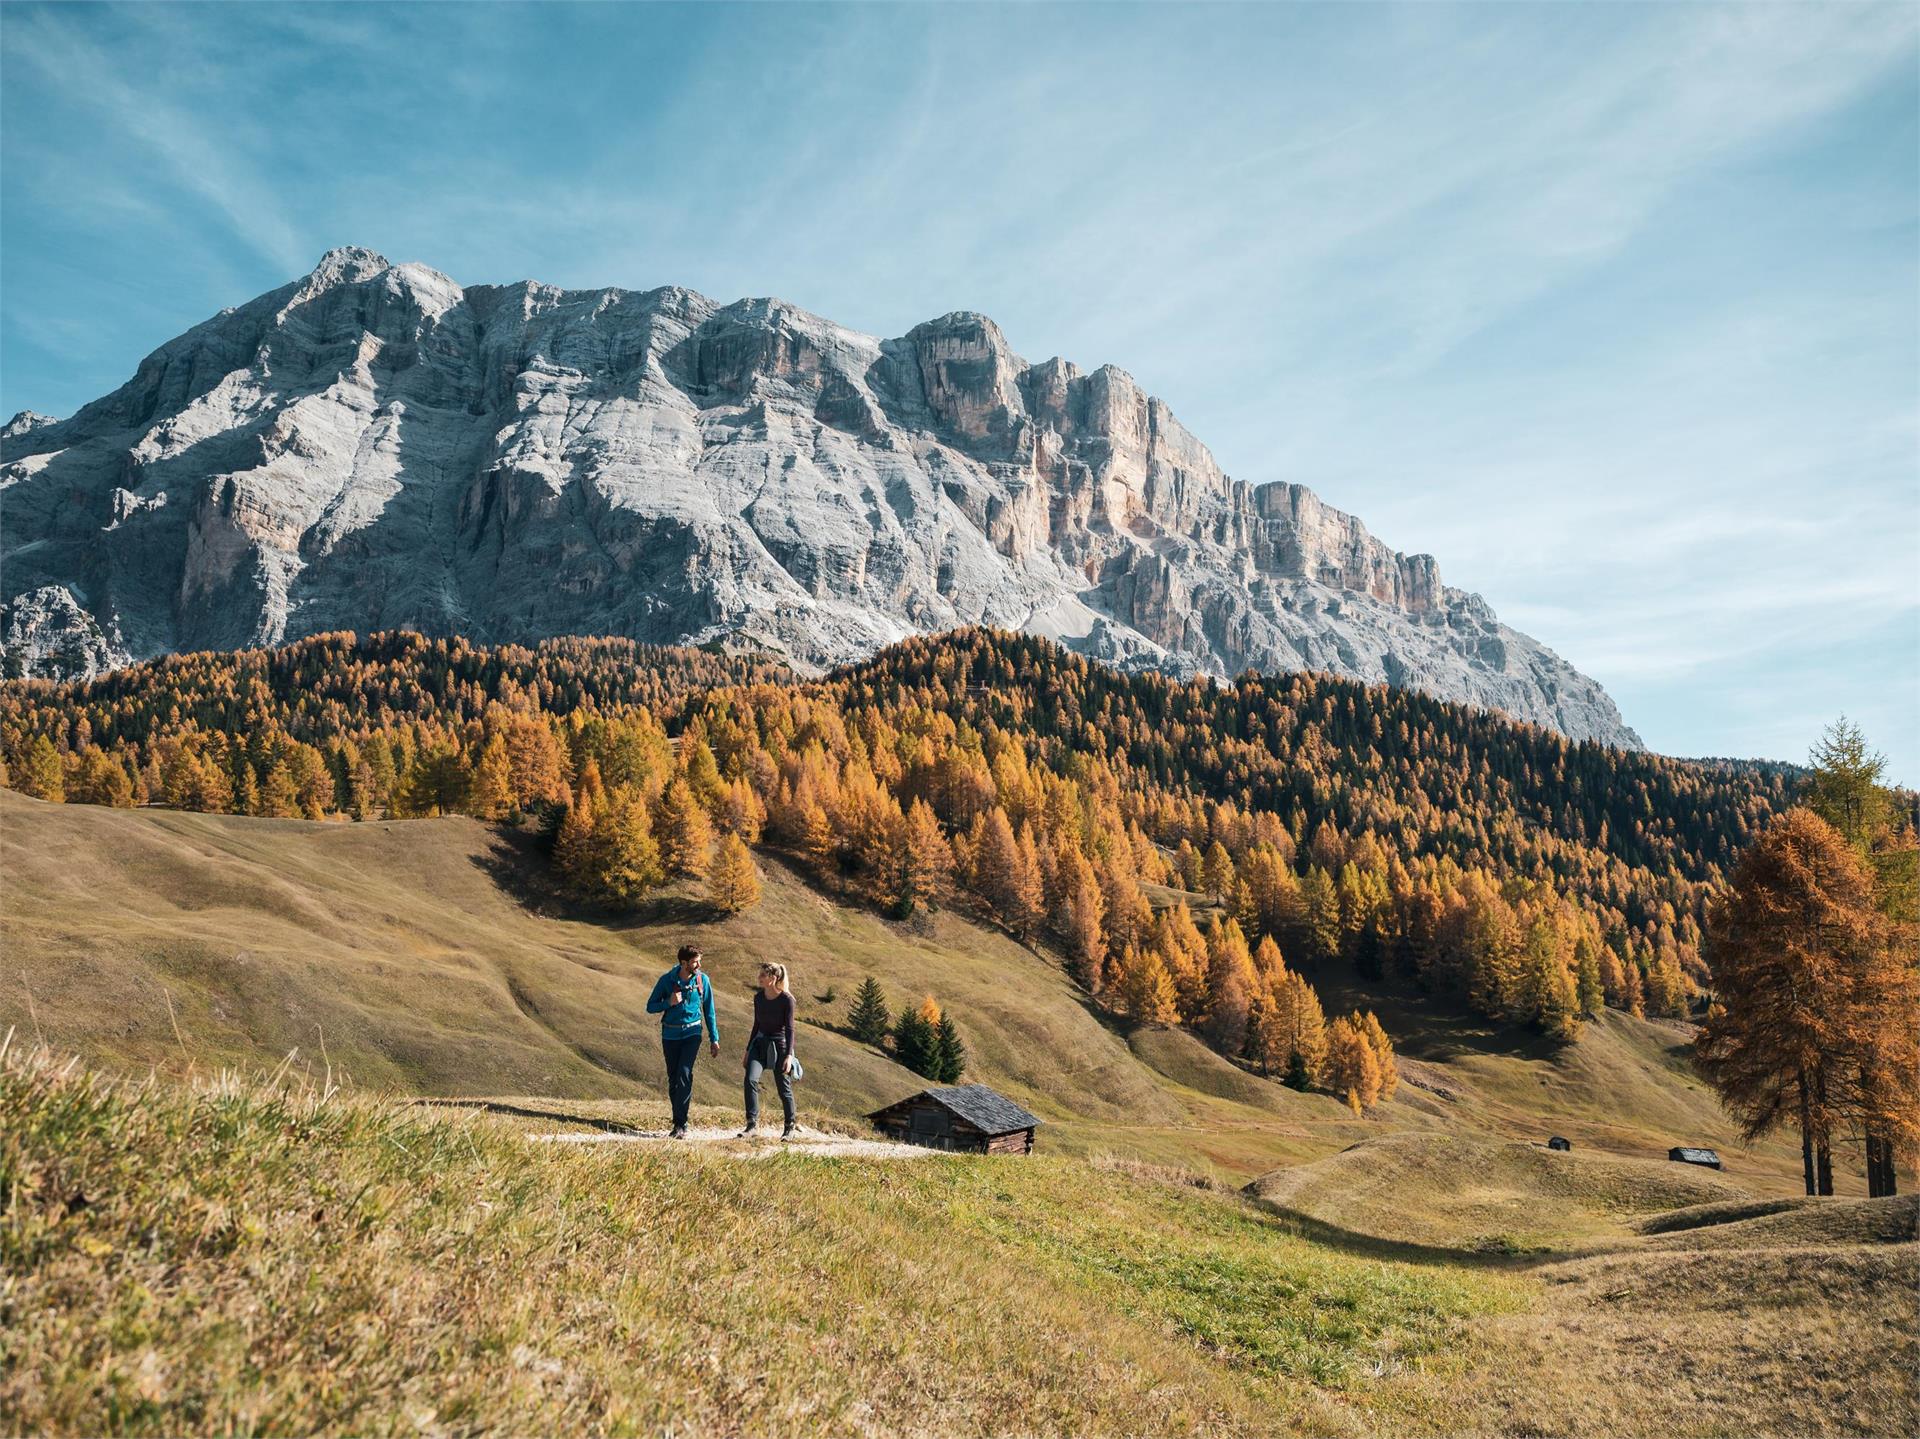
985, 1110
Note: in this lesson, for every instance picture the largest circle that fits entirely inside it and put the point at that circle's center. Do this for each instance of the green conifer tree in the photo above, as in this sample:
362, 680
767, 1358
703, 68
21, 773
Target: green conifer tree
868, 1018
950, 1055
913, 1042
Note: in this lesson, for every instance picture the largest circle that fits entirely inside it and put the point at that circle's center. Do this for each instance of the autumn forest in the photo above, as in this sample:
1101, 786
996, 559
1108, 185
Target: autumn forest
1191, 850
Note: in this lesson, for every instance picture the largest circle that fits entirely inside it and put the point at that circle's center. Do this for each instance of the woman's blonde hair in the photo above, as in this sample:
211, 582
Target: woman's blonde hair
778, 969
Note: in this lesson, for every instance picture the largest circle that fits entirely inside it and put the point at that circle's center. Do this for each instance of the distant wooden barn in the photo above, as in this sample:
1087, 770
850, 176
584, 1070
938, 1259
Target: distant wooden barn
1558, 1143
966, 1117
1683, 1154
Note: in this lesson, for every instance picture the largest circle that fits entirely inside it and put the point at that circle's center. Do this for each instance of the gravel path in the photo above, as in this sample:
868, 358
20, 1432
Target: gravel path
763, 1146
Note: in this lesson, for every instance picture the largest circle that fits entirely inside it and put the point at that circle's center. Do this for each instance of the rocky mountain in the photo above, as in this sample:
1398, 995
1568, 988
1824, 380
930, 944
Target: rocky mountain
373, 446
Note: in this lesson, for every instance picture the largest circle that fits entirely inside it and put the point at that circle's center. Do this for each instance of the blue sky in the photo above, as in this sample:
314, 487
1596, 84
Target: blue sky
1613, 309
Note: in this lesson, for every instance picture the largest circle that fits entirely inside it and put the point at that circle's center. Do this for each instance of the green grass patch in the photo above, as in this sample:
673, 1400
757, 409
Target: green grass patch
1242, 1284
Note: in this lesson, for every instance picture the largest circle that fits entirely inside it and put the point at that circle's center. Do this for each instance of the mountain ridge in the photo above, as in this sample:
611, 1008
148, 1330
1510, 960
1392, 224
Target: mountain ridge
372, 445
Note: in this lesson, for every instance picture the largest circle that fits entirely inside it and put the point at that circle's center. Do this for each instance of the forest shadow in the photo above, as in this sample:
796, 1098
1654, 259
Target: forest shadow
517, 862
1425, 1026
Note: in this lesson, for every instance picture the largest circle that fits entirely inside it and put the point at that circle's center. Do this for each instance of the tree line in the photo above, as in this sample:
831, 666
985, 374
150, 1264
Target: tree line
1170, 837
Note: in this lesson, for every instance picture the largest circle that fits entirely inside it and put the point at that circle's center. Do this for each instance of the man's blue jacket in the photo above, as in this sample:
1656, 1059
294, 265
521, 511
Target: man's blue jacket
695, 1008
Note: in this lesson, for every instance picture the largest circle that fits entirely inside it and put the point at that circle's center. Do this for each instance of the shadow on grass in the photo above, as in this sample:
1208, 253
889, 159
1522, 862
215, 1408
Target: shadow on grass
494, 1106
1403, 1251
1425, 1026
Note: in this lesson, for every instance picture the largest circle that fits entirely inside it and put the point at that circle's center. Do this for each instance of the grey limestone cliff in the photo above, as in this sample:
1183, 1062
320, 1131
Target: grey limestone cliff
374, 447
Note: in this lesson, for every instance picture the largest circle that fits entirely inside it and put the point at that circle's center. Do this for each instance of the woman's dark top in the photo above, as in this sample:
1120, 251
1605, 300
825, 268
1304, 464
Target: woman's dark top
775, 1017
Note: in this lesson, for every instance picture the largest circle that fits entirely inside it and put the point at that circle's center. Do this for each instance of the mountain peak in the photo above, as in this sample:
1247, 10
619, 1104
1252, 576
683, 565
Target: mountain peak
381, 448
347, 264
27, 420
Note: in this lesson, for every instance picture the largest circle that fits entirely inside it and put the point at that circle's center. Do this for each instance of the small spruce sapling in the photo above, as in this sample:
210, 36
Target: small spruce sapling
869, 1019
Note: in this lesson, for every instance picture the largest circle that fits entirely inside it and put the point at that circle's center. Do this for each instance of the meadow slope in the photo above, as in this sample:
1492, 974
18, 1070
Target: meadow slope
225, 1255
427, 957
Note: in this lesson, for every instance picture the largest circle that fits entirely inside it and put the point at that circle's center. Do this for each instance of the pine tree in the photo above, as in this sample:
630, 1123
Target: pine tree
1216, 871
1844, 788
1352, 1070
927, 861
626, 858
1297, 1076
1547, 991
493, 781
1230, 985
1382, 1053
1129, 916
1304, 1029
1320, 913
1666, 987
1184, 952
913, 1041
1146, 989
813, 838
313, 781
734, 884
378, 797
1267, 1027
1078, 917
1781, 944
279, 799
246, 792
1029, 896
683, 831
41, 774
1590, 986
1876, 1087
99, 780
573, 844
949, 1054
868, 1019
1007, 878
1268, 964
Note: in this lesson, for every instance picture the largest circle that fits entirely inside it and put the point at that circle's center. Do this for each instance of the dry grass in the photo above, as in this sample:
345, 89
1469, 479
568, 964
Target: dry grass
1815, 1340
425, 959
234, 1256
271, 1257
1475, 1194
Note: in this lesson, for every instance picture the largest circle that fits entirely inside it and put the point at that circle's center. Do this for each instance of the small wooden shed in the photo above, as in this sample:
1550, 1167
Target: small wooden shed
1684, 1154
967, 1117
1558, 1143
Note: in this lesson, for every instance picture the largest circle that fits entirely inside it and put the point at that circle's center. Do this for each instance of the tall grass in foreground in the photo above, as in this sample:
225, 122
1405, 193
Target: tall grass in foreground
271, 1256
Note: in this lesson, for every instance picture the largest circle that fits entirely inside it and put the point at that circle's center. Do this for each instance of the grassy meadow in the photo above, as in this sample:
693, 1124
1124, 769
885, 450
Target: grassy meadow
276, 1157
266, 1256
429, 957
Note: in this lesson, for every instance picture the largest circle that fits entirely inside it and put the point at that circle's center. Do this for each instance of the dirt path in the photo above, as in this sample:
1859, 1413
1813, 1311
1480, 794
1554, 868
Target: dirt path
763, 1146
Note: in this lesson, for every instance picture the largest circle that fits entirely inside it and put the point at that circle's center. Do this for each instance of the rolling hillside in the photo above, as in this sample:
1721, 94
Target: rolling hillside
426, 957
1218, 1253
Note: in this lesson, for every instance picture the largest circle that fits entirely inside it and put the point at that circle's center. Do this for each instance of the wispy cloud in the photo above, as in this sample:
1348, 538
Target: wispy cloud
200, 159
1608, 307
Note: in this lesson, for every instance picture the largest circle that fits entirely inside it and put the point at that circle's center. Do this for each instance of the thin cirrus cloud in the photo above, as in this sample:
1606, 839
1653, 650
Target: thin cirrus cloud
1610, 308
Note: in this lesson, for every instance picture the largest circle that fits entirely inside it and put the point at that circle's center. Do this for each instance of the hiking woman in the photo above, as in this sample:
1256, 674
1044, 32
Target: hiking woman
770, 1046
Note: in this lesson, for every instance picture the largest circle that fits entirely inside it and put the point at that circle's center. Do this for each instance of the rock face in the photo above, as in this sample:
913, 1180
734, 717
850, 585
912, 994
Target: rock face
374, 447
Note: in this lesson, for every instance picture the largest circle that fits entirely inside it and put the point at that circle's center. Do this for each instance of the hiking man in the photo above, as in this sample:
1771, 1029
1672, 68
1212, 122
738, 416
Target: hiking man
683, 998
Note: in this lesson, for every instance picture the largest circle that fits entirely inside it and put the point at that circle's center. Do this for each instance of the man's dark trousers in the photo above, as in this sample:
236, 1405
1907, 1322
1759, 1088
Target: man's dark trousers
681, 1053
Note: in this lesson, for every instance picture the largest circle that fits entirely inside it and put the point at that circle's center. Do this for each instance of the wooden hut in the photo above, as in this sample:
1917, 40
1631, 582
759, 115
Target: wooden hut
1684, 1154
1558, 1143
966, 1117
